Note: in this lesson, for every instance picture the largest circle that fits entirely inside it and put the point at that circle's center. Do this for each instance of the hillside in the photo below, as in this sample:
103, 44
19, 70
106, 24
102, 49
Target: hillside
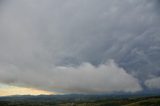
79, 100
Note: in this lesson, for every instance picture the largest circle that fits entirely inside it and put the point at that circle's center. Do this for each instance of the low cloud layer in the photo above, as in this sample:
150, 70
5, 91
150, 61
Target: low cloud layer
86, 78
52, 44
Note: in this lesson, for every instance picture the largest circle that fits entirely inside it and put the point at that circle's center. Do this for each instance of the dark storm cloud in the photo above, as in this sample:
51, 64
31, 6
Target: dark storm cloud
37, 37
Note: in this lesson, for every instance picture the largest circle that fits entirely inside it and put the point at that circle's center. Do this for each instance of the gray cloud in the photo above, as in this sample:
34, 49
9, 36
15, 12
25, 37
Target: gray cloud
153, 83
38, 36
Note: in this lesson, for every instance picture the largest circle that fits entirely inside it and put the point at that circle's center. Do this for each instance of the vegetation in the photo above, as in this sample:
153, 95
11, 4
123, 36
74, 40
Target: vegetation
79, 100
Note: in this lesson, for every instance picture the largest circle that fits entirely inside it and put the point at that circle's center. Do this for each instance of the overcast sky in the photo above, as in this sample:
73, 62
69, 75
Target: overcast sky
80, 46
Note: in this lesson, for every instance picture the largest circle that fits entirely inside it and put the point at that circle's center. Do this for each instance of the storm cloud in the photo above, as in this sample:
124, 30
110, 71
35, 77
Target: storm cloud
67, 46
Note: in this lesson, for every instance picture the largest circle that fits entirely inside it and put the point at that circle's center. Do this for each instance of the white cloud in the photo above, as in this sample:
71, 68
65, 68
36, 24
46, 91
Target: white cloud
86, 78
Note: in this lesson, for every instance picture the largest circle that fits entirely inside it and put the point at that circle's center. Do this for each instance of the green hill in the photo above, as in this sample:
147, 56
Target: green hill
148, 102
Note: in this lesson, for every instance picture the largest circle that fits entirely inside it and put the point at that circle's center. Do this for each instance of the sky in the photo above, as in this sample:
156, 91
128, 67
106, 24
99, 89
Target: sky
8, 90
79, 46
